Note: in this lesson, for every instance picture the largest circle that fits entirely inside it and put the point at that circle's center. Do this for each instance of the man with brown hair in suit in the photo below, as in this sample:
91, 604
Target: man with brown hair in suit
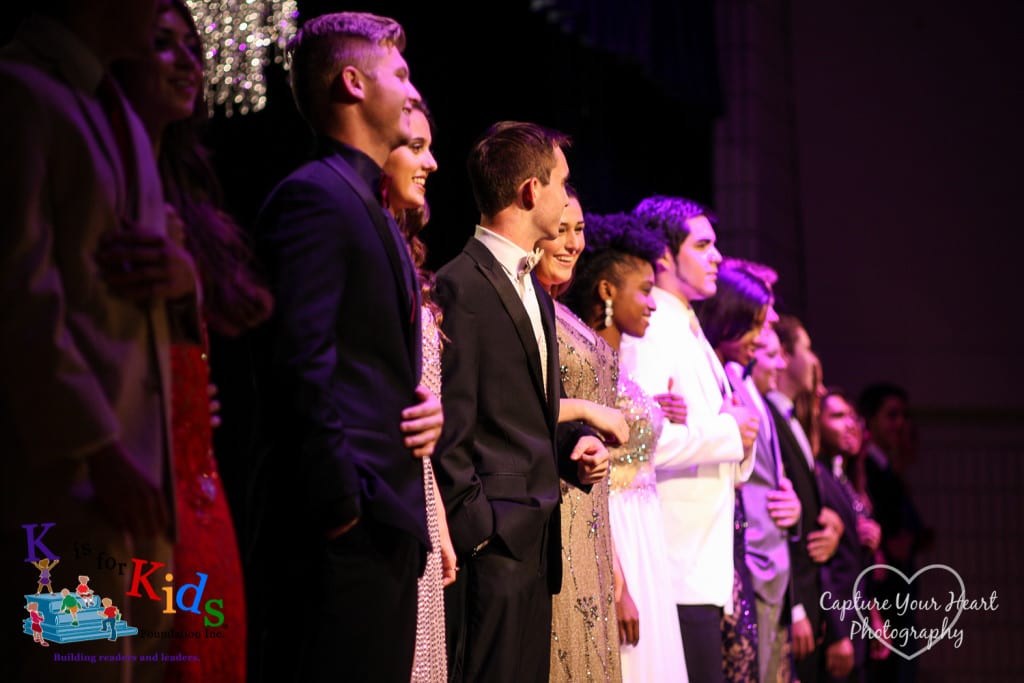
503, 449
344, 419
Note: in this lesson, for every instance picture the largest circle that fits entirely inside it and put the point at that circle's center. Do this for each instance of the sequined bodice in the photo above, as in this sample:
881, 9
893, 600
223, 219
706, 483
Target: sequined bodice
589, 367
431, 351
631, 464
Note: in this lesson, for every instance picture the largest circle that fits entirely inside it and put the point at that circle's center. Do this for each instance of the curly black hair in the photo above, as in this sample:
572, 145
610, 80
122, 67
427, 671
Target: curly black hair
615, 243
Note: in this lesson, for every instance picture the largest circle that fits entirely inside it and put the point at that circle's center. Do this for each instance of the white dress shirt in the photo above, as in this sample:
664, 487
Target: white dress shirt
785, 406
518, 264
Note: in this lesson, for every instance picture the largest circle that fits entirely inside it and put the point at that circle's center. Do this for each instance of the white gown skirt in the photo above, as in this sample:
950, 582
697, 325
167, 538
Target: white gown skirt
640, 544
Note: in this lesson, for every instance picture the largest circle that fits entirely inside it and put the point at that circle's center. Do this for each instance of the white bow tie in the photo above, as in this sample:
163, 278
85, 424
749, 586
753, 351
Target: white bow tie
527, 263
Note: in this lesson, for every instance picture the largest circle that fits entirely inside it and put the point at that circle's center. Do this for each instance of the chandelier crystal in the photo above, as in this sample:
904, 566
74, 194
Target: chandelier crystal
240, 38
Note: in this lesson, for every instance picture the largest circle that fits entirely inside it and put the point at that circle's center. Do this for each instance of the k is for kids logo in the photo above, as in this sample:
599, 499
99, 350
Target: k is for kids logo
932, 619
76, 612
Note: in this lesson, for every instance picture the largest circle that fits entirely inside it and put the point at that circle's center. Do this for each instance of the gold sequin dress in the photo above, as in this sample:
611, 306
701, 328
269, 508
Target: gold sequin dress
640, 543
584, 628
429, 663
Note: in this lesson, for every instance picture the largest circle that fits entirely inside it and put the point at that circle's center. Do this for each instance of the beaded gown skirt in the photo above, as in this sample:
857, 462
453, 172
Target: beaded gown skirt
429, 662
584, 628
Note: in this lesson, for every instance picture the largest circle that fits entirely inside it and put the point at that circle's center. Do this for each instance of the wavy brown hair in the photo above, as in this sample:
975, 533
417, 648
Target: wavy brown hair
234, 299
411, 222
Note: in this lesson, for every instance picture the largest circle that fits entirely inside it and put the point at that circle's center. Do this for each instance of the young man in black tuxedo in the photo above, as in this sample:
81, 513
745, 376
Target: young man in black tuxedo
340, 526
502, 449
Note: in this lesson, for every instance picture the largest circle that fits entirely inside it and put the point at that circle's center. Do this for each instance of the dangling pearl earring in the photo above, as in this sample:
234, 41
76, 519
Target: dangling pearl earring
607, 312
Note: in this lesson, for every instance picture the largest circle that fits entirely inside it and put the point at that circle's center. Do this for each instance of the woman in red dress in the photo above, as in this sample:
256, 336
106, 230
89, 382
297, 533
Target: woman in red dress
166, 90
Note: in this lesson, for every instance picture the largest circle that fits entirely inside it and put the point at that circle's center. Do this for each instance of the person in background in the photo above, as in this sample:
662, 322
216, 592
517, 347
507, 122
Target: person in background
889, 449
87, 377
845, 653
820, 527
734, 321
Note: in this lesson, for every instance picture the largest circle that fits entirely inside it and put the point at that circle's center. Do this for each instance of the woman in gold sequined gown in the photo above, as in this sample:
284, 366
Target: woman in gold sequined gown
408, 167
612, 293
584, 640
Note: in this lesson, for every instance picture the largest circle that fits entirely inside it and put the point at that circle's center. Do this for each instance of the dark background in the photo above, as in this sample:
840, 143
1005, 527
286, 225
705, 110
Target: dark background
636, 130
870, 151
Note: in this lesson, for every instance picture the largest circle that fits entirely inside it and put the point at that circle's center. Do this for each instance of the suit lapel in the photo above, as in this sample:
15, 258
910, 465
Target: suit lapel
547, 316
389, 236
492, 270
784, 433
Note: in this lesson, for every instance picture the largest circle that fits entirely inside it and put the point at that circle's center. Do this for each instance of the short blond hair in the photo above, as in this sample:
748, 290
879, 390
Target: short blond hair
327, 44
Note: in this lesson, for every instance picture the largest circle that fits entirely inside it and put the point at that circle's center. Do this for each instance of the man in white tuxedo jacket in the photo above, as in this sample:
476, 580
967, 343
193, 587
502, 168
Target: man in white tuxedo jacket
84, 404
698, 464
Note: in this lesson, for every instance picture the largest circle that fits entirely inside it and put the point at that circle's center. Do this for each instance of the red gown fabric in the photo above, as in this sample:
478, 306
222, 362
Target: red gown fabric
206, 538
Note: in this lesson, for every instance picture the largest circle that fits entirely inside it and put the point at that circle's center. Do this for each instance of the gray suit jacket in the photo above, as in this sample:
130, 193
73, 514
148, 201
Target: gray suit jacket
80, 366
767, 545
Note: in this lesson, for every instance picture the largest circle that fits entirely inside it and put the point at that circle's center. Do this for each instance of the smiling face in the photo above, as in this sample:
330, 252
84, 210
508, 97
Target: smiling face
632, 301
696, 261
164, 85
840, 428
551, 199
742, 350
389, 94
560, 254
409, 166
768, 361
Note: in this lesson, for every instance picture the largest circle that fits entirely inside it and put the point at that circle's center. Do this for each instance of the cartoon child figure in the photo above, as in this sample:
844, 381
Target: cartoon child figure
110, 616
37, 623
69, 604
44, 566
84, 592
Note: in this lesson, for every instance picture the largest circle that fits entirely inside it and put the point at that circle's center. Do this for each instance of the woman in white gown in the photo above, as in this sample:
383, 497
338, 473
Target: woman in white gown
611, 292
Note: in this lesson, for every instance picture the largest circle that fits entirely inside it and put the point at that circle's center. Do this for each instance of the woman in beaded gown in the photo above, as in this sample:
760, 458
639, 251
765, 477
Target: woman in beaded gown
408, 167
612, 293
166, 91
584, 640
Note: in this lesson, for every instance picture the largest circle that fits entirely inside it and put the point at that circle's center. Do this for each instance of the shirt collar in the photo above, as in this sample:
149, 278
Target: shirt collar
782, 402
510, 255
361, 163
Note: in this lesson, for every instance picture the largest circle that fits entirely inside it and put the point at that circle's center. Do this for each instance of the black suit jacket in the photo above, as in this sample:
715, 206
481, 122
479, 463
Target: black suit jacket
805, 577
502, 450
340, 358
839, 574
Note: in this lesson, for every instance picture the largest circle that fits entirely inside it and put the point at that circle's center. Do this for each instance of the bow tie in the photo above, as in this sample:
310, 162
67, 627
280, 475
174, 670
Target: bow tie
527, 263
